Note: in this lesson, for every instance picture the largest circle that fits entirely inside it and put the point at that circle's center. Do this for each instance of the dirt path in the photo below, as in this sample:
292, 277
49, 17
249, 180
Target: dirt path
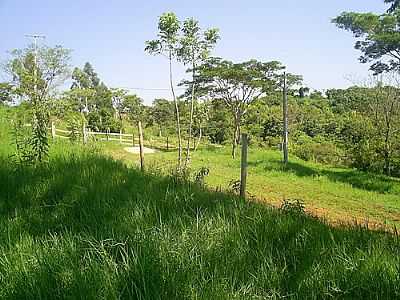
136, 150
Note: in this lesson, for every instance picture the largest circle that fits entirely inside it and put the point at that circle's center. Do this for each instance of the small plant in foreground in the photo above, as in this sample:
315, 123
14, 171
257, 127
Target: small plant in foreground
22, 153
234, 186
200, 175
295, 206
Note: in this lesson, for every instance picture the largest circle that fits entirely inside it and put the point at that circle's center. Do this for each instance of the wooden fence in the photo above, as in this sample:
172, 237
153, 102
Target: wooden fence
122, 138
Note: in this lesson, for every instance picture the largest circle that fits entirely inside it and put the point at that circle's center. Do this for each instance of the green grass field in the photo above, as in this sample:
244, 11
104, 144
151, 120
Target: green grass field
337, 194
85, 226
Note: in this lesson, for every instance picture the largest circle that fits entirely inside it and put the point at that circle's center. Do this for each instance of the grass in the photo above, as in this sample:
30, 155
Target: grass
85, 226
337, 194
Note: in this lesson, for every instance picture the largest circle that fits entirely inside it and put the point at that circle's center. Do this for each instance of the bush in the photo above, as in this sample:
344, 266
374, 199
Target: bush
318, 150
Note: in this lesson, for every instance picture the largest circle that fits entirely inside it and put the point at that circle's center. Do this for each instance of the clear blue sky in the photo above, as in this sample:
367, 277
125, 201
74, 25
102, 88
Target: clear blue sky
111, 35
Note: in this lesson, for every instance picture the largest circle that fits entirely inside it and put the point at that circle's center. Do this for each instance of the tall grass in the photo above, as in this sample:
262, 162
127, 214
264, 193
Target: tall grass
338, 194
84, 226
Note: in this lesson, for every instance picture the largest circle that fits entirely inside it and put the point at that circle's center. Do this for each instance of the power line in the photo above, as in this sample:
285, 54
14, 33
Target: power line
149, 89
35, 38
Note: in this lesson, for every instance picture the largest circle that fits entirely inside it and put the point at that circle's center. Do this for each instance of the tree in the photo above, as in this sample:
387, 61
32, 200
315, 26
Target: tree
351, 99
133, 107
219, 123
378, 36
394, 5
162, 112
201, 113
167, 45
92, 76
368, 123
195, 46
303, 92
80, 79
6, 92
386, 117
118, 97
94, 99
239, 85
35, 72
80, 99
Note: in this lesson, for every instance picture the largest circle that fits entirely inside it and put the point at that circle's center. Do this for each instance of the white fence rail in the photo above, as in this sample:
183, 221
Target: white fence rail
86, 134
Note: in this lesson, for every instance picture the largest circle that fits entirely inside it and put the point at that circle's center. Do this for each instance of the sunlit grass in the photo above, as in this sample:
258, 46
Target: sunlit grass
338, 194
86, 226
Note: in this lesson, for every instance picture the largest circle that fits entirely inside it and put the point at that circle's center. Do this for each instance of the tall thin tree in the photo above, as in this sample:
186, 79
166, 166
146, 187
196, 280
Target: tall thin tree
195, 47
167, 45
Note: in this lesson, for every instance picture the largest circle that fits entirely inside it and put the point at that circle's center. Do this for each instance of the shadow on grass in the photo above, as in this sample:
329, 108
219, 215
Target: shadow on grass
125, 234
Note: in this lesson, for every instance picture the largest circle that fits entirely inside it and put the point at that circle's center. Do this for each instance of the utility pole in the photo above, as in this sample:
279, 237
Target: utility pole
285, 121
243, 168
35, 38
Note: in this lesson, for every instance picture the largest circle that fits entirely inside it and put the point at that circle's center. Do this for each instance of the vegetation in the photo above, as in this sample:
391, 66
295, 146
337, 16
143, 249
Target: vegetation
34, 73
190, 46
79, 220
239, 86
85, 226
339, 195
377, 36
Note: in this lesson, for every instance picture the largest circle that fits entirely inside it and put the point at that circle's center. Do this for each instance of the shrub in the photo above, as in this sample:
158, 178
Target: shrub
318, 150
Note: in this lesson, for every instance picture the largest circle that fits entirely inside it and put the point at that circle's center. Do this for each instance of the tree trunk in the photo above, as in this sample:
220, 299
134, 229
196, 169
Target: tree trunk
178, 122
387, 153
191, 116
141, 146
235, 137
199, 140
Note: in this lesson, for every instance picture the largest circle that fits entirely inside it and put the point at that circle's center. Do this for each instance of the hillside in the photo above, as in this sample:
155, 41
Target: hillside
86, 226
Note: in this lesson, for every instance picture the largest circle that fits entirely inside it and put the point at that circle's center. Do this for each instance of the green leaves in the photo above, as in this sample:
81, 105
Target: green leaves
187, 42
394, 5
6, 92
242, 81
133, 106
195, 45
168, 28
378, 36
35, 72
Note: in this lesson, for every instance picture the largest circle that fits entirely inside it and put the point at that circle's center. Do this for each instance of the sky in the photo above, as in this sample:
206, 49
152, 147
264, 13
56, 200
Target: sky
111, 36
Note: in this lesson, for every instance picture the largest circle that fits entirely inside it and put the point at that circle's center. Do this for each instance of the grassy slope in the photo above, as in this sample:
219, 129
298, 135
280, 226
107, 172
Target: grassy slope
85, 226
337, 194
88, 227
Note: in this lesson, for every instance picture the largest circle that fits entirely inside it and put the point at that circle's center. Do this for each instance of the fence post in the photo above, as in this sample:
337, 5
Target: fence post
108, 134
120, 136
53, 130
243, 169
141, 146
285, 122
167, 143
133, 138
